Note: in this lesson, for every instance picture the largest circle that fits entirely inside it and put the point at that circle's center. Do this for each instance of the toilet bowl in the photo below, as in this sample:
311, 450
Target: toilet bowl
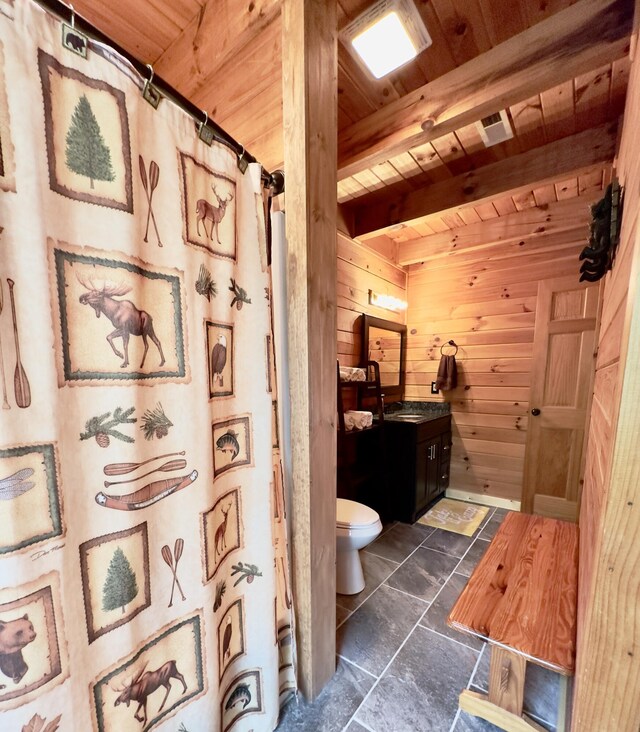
356, 526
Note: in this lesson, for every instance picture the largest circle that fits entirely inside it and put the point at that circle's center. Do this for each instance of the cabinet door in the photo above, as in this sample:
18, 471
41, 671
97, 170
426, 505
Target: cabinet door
427, 471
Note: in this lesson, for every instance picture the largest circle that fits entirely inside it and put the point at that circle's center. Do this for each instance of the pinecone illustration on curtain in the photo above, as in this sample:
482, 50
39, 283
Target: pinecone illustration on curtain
87, 153
121, 586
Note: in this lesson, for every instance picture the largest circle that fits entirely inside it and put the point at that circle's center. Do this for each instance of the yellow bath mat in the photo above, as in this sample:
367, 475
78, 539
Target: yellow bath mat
457, 516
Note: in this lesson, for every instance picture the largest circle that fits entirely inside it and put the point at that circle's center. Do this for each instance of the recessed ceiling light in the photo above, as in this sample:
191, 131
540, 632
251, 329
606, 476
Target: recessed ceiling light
387, 35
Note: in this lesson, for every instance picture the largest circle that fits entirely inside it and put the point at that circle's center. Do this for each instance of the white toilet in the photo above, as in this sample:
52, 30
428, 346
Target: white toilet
356, 526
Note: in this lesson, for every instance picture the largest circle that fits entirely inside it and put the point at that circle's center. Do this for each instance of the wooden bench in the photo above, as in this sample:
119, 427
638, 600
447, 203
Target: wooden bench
521, 598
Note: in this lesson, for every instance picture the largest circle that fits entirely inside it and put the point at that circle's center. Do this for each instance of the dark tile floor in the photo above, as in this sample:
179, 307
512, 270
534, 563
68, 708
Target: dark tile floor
400, 667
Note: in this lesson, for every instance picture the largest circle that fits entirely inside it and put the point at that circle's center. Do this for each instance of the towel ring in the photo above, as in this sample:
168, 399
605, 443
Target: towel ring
449, 343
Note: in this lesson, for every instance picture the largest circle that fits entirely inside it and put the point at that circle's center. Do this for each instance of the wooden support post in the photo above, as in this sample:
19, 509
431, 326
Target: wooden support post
310, 153
506, 679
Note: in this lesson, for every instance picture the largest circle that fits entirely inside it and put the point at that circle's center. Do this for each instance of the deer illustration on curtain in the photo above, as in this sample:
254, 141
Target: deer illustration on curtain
154, 575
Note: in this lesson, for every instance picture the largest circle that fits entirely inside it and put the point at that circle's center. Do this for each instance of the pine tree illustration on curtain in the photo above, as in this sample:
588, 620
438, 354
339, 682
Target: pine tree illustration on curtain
121, 586
87, 153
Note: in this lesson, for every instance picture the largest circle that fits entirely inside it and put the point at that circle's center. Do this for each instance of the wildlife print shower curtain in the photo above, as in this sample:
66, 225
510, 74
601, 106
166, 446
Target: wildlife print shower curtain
143, 559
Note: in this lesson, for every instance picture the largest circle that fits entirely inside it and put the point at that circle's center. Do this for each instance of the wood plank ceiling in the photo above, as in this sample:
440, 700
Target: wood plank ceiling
225, 55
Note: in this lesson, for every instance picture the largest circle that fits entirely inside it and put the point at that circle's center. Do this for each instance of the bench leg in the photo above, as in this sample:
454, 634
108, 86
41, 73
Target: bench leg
506, 679
503, 705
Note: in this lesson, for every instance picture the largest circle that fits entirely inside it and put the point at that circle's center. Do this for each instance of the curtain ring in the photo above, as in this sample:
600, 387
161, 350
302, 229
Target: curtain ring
243, 164
150, 79
206, 134
73, 16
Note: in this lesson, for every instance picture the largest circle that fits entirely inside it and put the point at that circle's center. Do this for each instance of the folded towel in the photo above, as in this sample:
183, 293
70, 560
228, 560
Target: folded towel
349, 373
447, 377
354, 420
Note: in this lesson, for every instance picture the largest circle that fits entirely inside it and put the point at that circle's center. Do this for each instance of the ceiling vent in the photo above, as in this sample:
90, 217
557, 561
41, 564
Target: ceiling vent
495, 128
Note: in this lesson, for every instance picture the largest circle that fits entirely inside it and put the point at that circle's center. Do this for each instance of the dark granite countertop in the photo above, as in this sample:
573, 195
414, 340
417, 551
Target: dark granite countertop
423, 411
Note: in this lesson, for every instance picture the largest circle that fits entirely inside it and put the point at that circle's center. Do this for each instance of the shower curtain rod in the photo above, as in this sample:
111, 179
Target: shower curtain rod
273, 180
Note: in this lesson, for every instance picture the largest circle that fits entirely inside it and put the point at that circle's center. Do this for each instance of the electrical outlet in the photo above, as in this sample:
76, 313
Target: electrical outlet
434, 388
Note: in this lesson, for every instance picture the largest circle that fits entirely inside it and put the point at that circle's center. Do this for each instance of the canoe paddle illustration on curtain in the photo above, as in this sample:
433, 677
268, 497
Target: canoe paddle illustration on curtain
124, 468
150, 493
5, 401
168, 558
149, 184
21, 387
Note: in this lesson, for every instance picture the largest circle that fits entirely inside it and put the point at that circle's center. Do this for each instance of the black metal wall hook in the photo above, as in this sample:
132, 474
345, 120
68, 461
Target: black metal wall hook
451, 343
597, 258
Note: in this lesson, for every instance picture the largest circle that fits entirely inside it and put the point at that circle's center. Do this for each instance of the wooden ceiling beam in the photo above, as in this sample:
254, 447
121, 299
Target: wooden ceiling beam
585, 36
574, 155
549, 224
217, 34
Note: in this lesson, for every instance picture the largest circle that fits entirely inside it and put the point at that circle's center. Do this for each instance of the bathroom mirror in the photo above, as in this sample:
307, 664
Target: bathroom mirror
386, 342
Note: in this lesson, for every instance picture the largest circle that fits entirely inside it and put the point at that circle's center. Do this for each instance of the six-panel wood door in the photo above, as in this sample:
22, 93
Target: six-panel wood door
561, 387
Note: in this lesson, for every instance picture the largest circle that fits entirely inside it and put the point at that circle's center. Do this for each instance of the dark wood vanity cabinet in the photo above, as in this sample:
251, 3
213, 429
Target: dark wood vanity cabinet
419, 457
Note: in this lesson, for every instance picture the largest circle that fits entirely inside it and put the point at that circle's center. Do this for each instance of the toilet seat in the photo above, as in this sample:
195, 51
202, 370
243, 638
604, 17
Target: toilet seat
353, 515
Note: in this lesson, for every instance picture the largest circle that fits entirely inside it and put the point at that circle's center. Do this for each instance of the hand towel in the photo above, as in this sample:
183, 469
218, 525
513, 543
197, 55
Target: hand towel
447, 377
354, 420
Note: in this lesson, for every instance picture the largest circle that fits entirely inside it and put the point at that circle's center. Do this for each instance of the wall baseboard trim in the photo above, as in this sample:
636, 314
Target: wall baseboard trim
460, 495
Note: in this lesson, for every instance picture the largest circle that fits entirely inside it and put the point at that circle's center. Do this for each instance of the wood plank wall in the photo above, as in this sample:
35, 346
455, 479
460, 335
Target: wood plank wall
361, 270
483, 296
607, 694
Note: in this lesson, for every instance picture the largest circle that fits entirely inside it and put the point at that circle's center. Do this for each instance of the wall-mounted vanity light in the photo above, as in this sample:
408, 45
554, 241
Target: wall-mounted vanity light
387, 35
388, 302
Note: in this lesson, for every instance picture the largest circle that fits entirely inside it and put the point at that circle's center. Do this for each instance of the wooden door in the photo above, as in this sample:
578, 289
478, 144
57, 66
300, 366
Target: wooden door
561, 387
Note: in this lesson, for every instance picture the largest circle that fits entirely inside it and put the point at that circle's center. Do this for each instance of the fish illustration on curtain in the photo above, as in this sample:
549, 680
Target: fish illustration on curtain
134, 314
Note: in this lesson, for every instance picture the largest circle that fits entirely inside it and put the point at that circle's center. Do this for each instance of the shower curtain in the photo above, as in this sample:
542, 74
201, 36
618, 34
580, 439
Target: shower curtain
143, 560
